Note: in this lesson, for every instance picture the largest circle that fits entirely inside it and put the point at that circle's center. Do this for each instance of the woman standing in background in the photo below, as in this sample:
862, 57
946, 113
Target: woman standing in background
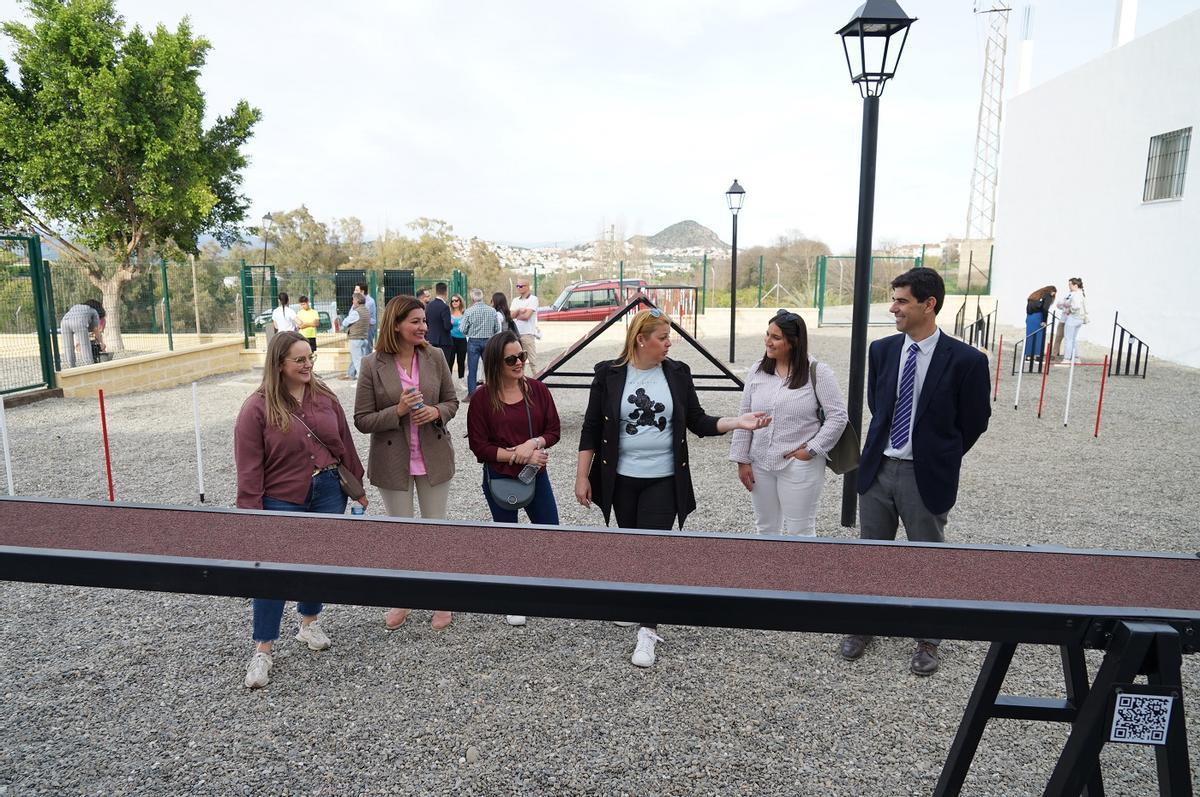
456, 336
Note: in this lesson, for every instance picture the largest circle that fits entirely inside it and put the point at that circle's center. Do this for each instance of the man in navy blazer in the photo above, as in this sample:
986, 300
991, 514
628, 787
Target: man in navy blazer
928, 395
437, 316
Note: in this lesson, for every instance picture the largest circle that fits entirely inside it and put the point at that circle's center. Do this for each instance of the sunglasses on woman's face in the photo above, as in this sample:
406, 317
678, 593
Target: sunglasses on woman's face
513, 359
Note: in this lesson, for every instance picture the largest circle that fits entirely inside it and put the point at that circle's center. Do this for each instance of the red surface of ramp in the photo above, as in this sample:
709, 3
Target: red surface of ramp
904, 571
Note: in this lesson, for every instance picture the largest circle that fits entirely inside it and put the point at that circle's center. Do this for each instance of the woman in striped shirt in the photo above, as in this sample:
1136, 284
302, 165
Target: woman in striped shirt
783, 465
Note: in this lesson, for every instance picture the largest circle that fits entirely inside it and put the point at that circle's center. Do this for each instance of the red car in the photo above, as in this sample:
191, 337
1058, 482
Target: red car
591, 301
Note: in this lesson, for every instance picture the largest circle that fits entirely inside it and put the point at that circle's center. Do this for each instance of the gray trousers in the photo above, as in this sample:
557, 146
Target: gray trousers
72, 333
894, 498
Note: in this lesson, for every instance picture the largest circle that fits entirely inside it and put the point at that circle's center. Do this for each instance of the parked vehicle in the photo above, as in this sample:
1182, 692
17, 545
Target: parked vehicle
325, 324
594, 300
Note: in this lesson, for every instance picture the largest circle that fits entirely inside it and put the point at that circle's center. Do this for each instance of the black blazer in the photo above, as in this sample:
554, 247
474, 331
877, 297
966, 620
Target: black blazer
951, 414
602, 431
437, 316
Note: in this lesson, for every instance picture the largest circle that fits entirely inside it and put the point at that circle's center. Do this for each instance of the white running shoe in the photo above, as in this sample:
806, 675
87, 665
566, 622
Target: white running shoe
643, 654
623, 623
312, 635
515, 619
258, 673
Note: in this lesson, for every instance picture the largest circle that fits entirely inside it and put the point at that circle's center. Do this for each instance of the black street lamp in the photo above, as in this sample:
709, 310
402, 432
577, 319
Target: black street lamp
266, 228
872, 57
734, 197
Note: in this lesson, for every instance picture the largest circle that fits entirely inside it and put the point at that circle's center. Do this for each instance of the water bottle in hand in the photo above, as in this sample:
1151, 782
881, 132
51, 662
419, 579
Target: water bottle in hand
528, 473
421, 402
357, 509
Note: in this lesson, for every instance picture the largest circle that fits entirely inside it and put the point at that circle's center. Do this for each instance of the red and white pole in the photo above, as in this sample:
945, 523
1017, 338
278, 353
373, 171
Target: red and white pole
999, 357
104, 437
1100, 401
1045, 373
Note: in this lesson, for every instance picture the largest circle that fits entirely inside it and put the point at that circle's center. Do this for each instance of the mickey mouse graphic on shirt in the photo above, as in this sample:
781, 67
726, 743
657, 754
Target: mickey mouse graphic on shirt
647, 408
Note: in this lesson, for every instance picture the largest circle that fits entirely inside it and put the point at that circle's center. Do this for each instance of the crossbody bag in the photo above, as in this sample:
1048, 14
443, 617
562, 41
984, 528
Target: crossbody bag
352, 486
844, 454
506, 491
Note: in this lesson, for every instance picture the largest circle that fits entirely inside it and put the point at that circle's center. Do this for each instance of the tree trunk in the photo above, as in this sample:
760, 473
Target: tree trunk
111, 290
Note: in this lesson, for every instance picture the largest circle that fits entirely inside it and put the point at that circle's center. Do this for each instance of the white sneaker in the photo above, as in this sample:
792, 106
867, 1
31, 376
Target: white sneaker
623, 623
643, 654
312, 635
515, 619
257, 674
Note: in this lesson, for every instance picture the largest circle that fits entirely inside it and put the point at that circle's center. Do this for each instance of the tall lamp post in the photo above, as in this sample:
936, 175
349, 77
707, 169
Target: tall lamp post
266, 228
872, 57
734, 197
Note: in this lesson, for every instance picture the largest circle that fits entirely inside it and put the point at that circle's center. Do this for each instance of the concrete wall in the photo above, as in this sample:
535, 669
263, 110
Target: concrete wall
1071, 180
153, 371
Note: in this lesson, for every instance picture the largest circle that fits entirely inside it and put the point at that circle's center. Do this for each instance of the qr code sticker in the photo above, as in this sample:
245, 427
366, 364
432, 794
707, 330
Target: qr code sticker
1141, 719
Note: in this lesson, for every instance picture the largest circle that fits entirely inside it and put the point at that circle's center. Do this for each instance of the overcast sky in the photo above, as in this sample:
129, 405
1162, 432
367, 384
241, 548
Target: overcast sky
536, 122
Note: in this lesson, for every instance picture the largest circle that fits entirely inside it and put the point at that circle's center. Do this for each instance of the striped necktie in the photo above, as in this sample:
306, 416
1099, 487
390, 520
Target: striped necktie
902, 418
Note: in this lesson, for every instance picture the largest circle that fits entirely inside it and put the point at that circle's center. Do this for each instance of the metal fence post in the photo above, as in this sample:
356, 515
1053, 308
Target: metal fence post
820, 298
274, 289
535, 281
760, 266
162, 265
991, 252
247, 302
39, 278
704, 284
373, 284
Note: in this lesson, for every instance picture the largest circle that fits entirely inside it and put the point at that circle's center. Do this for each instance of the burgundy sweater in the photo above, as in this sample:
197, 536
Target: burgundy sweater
488, 430
281, 464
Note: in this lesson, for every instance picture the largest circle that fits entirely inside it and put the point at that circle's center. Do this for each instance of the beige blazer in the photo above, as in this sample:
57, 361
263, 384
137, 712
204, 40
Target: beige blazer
375, 402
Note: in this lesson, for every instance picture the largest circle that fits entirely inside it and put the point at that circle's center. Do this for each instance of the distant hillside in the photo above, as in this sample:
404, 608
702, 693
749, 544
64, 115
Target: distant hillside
684, 235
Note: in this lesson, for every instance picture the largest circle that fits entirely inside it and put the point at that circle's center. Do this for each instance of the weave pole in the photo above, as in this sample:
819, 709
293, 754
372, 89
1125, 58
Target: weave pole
4, 440
999, 357
1045, 373
199, 448
1100, 401
1070, 382
104, 436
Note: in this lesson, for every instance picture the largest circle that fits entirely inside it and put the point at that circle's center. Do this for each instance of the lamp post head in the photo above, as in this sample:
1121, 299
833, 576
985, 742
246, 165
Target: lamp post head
266, 224
735, 196
872, 55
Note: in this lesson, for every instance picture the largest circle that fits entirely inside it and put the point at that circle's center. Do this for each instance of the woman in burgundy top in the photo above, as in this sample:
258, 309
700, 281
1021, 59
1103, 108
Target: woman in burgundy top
289, 437
511, 427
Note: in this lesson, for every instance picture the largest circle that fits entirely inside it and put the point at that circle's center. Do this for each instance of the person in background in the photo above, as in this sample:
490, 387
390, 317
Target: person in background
633, 456
289, 437
503, 315
369, 301
437, 316
356, 325
457, 338
404, 398
524, 313
307, 321
477, 326
783, 466
511, 426
77, 324
1074, 312
283, 316
423, 296
930, 400
1037, 313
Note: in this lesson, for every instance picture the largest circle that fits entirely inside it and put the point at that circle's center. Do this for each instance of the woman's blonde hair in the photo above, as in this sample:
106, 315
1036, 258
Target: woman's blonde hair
280, 404
644, 322
397, 310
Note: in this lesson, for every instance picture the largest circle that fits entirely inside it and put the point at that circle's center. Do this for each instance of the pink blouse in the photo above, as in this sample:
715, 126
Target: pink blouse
416, 462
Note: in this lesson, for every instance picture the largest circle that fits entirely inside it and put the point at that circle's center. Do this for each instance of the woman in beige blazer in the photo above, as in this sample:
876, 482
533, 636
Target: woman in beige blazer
405, 397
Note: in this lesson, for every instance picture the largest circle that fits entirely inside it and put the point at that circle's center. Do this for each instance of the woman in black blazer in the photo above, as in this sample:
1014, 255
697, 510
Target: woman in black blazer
639, 410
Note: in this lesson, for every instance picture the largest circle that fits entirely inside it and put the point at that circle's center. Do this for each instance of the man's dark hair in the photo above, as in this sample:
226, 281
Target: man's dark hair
923, 283
361, 286
440, 288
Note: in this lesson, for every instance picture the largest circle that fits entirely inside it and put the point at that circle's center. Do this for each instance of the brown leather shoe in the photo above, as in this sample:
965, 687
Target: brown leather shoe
853, 646
925, 659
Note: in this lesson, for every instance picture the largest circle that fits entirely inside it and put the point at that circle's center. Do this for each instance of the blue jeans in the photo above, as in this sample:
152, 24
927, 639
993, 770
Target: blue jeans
371, 337
474, 352
325, 496
358, 350
543, 509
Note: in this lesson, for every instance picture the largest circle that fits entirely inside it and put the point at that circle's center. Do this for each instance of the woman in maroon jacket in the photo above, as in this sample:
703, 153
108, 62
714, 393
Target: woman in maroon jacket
510, 426
290, 435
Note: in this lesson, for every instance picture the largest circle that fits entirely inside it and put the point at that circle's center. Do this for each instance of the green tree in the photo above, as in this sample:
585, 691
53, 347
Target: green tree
301, 243
102, 145
484, 270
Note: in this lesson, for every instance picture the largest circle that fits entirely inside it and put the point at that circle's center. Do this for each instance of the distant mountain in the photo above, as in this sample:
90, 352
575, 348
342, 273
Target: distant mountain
683, 235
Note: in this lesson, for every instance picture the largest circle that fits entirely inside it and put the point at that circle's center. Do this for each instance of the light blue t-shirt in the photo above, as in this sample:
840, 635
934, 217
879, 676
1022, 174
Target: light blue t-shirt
646, 407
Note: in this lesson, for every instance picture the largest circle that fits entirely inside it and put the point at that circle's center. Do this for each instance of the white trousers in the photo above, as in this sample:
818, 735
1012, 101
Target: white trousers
785, 501
432, 498
1070, 334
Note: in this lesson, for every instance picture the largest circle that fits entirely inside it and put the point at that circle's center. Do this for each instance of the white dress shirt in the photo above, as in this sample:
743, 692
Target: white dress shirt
924, 355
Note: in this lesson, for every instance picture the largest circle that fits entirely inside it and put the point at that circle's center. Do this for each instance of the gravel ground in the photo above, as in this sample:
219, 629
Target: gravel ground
112, 692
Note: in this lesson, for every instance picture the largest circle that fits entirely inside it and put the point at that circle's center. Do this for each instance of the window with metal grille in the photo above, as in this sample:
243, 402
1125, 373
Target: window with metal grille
1166, 166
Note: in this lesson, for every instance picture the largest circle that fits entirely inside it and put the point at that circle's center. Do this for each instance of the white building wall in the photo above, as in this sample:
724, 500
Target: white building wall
1071, 180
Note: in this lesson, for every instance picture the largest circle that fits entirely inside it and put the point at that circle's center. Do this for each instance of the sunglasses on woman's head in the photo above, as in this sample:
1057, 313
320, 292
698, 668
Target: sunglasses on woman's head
787, 315
513, 359
655, 312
